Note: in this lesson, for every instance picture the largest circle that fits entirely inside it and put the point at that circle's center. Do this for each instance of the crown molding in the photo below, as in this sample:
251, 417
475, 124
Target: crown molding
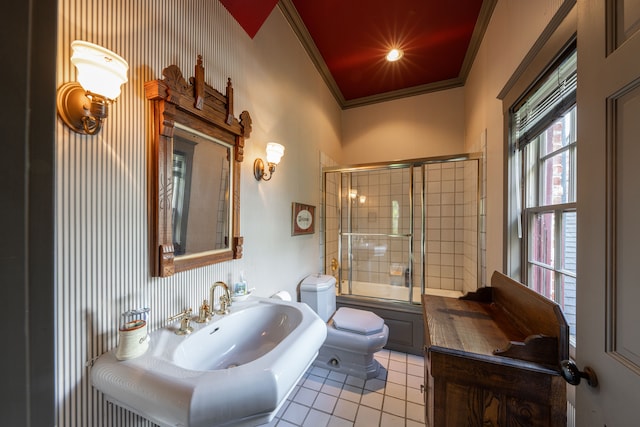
291, 14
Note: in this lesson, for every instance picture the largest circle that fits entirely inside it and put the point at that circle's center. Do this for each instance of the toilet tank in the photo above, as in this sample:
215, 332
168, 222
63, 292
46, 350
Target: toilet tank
318, 291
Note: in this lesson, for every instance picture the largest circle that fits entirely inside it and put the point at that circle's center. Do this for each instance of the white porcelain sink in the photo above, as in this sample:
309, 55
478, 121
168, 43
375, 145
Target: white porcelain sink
236, 370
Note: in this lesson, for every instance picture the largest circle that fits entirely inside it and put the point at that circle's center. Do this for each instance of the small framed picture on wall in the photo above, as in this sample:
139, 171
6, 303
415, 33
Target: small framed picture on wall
303, 219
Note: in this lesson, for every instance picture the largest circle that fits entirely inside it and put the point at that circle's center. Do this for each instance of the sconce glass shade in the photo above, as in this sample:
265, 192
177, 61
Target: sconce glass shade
100, 71
275, 152
84, 105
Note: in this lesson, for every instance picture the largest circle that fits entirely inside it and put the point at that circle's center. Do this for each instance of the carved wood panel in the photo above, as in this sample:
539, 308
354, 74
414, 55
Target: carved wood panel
198, 106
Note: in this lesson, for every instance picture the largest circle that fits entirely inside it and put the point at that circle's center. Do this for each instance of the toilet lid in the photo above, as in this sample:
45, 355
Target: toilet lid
357, 321
317, 282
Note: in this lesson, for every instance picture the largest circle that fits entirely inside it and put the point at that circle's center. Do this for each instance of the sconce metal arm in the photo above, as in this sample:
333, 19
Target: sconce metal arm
84, 112
259, 170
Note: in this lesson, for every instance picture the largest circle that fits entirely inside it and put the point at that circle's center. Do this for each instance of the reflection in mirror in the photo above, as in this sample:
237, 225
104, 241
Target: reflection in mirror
201, 188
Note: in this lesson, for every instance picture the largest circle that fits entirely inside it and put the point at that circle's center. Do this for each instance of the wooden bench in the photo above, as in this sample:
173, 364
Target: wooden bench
493, 357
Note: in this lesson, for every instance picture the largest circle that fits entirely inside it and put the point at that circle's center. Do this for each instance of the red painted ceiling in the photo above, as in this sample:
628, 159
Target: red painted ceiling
352, 38
250, 14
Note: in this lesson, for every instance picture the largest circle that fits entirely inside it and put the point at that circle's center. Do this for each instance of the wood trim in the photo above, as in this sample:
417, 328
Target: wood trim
540, 44
476, 38
404, 93
532, 313
614, 137
204, 109
293, 17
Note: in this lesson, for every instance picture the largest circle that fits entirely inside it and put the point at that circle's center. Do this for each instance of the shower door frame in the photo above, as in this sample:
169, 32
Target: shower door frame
411, 164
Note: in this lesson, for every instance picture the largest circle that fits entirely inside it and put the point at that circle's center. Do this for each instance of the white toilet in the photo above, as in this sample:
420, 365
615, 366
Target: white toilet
353, 336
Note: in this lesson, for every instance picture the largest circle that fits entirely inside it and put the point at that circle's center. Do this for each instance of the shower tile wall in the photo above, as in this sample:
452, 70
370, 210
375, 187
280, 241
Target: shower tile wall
483, 212
470, 220
419, 175
445, 247
381, 207
451, 242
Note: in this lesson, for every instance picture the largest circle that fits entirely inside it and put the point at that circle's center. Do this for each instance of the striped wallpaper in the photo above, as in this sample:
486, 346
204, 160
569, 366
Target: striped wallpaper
101, 186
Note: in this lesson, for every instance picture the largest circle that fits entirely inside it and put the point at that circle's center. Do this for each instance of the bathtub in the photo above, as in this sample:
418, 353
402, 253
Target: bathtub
391, 292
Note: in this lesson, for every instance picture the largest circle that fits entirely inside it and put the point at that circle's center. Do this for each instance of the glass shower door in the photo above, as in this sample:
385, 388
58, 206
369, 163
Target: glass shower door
375, 238
400, 230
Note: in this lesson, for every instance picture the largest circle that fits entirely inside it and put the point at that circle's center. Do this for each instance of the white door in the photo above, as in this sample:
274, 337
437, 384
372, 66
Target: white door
608, 317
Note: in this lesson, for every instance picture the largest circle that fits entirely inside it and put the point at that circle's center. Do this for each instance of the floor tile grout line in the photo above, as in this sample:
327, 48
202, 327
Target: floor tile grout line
324, 375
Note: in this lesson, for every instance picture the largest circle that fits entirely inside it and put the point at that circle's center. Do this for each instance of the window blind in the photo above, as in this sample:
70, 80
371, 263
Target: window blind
549, 99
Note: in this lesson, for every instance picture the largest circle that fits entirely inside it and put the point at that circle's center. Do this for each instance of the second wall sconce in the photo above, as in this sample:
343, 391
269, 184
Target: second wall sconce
83, 105
275, 152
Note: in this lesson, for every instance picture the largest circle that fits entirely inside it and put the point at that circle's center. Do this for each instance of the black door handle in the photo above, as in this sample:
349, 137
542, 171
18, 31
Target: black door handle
573, 375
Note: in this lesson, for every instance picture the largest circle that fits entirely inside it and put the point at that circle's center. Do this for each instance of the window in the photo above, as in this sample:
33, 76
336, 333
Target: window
544, 141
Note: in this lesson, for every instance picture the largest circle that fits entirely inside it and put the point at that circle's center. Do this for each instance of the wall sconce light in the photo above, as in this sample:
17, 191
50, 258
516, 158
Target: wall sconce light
83, 105
275, 152
353, 193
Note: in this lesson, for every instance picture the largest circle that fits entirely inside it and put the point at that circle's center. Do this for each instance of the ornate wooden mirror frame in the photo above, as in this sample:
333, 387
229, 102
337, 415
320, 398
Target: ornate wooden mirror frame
202, 108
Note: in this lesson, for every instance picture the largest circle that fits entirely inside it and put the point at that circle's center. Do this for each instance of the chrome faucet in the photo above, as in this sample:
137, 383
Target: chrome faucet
225, 298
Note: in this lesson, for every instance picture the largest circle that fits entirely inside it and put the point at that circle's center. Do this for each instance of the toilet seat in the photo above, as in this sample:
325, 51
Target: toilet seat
357, 321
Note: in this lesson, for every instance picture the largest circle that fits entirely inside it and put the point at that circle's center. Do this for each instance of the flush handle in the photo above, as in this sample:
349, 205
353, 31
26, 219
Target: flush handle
573, 375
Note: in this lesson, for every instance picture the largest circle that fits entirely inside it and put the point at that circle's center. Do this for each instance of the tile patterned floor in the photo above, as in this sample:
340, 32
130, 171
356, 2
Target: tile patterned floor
325, 398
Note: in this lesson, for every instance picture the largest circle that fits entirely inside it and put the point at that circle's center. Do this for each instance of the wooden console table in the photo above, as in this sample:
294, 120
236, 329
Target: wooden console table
492, 358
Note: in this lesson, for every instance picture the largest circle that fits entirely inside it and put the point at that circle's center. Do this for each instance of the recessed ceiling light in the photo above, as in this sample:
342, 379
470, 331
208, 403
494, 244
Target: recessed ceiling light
394, 55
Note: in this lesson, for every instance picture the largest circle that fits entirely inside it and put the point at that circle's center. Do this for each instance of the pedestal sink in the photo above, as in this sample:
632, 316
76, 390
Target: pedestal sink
237, 370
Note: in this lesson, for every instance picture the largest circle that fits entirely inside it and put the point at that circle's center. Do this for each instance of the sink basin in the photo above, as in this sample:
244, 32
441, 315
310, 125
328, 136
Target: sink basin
237, 339
237, 370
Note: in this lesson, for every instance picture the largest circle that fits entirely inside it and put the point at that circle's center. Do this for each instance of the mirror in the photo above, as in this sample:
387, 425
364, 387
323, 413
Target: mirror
201, 185
194, 172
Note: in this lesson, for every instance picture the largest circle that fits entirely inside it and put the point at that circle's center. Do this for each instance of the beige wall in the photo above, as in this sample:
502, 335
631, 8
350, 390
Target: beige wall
514, 28
290, 104
420, 126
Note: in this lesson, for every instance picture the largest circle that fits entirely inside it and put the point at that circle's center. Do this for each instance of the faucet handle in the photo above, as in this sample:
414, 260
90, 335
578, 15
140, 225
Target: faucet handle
185, 318
183, 313
204, 313
225, 303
